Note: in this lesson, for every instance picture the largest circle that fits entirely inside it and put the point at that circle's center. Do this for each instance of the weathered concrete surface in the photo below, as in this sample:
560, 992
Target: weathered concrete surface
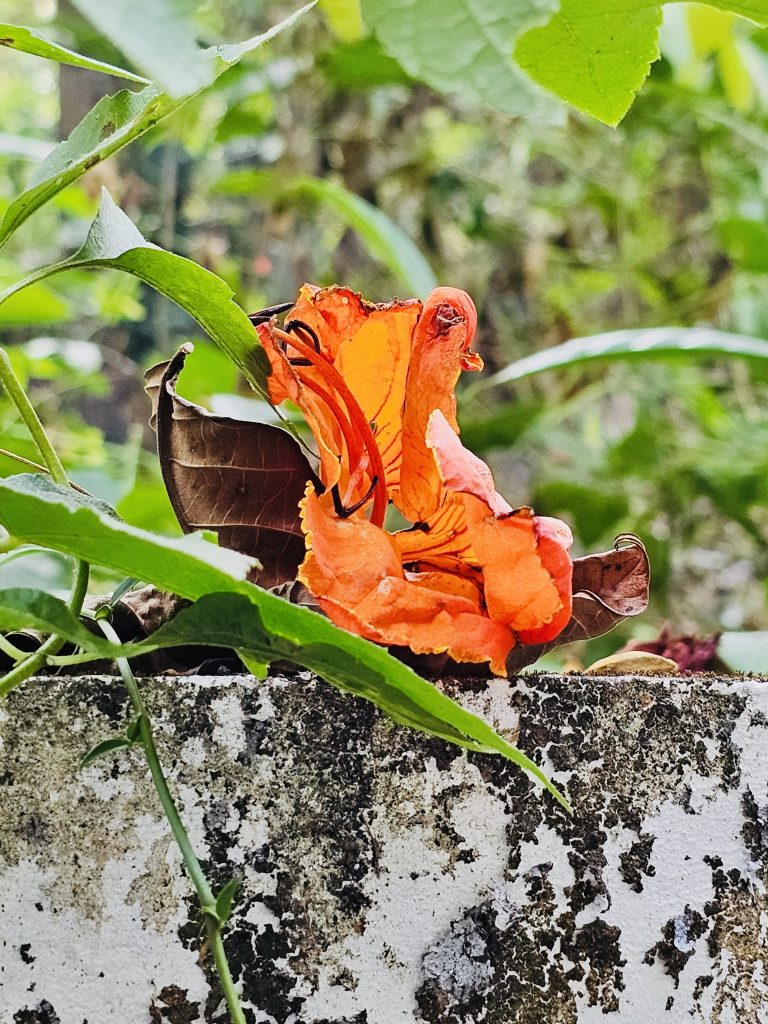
386, 877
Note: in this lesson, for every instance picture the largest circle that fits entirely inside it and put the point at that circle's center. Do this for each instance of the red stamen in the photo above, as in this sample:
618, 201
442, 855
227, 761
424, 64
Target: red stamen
358, 421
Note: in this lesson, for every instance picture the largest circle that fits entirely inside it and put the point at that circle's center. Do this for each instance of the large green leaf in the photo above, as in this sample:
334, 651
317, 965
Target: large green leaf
595, 54
654, 343
111, 124
157, 38
113, 241
464, 47
17, 37
37, 511
384, 239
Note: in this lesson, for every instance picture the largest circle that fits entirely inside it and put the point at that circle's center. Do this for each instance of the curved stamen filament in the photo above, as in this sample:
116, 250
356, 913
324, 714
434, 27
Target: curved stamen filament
360, 425
354, 446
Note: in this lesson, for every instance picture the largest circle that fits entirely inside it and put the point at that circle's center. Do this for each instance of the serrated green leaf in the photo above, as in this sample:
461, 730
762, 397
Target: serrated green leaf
114, 122
224, 900
654, 343
594, 54
157, 38
113, 241
18, 37
104, 748
464, 47
383, 238
36, 511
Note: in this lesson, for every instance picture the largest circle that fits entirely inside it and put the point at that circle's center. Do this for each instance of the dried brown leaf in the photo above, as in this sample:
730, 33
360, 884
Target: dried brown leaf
607, 588
244, 480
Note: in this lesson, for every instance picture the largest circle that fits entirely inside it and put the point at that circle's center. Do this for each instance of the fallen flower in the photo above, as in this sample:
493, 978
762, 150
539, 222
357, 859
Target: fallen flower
471, 578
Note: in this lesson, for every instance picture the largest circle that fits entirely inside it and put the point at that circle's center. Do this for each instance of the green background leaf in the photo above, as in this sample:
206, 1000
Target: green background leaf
18, 37
464, 47
654, 343
382, 236
157, 38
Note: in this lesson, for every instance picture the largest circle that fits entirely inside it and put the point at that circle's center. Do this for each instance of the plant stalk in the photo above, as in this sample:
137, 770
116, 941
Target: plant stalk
21, 672
27, 412
205, 895
24, 669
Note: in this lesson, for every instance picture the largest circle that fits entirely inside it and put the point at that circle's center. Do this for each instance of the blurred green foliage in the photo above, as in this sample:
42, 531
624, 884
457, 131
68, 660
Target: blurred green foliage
325, 158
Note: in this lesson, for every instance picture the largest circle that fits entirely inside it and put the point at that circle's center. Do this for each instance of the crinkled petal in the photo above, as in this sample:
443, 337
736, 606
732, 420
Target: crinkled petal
354, 570
524, 578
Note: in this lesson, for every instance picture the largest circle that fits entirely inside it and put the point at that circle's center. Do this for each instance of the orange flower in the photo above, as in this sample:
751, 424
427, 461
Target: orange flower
472, 576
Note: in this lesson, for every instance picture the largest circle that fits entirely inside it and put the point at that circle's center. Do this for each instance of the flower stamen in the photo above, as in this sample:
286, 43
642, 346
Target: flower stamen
357, 421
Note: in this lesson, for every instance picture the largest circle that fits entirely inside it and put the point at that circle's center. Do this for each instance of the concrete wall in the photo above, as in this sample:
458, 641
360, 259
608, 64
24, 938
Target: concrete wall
387, 877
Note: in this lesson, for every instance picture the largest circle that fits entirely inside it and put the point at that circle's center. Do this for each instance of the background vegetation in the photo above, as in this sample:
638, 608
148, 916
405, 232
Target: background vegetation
558, 225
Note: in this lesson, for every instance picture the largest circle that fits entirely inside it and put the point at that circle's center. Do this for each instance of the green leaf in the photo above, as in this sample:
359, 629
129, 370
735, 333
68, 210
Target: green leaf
156, 38
464, 47
344, 18
39, 304
753, 10
744, 651
17, 37
594, 54
104, 748
111, 124
362, 65
37, 511
746, 242
383, 238
654, 343
113, 241
133, 732
224, 900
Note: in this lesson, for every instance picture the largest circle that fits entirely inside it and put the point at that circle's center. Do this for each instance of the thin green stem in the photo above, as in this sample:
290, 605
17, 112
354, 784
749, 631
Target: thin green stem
204, 893
27, 412
13, 652
24, 669
21, 672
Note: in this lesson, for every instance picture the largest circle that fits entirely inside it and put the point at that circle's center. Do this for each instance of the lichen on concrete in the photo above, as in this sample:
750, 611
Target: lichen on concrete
389, 877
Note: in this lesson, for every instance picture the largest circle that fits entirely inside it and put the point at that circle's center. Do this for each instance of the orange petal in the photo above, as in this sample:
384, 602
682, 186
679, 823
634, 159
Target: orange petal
354, 570
374, 363
443, 535
520, 589
555, 540
439, 352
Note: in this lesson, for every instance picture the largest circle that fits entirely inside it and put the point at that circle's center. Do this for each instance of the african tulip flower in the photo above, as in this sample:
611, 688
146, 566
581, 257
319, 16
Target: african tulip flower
472, 576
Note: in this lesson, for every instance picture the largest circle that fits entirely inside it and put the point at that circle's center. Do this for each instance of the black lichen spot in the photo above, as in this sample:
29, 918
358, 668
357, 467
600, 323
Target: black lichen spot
175, 1008
43, 1013
635, 862
679, 942
755, 828
24, 953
